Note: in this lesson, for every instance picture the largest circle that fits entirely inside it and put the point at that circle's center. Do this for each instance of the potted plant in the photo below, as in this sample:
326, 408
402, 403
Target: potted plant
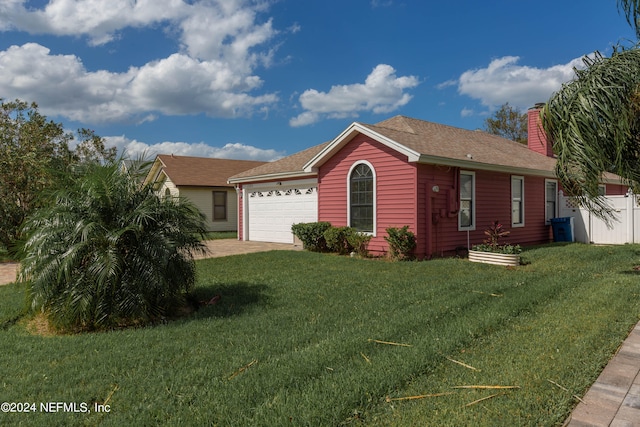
491, 251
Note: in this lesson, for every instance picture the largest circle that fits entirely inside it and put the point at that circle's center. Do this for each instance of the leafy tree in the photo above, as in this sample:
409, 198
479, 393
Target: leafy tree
508, 122
109, 252
35, 157
594, 121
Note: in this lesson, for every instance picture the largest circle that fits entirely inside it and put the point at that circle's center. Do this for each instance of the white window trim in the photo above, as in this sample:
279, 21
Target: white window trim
473, 202
226, 206
522, 201
556, 213
375, 195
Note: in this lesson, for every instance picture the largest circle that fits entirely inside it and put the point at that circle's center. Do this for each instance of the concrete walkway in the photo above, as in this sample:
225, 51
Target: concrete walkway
8, 272
614, 399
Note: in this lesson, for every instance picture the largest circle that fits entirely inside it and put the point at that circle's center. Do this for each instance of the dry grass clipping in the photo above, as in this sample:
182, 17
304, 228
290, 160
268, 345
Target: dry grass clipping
390, 343
241, 370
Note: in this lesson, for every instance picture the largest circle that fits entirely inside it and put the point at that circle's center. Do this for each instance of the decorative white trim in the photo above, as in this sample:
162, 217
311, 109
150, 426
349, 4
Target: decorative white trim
473, 201
288, 192
347, 135
522, 200
555, 214
300, 183
375, 198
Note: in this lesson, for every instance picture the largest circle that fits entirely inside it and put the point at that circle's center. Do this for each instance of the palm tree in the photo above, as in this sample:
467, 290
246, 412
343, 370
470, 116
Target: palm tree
631, 10
594, 121
110, 252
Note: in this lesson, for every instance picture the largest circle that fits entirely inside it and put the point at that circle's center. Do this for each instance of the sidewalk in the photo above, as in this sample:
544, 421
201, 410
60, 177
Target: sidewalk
614, 399
8, 272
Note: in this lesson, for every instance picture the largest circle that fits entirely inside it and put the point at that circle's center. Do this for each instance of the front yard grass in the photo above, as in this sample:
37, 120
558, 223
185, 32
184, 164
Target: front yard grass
301, 338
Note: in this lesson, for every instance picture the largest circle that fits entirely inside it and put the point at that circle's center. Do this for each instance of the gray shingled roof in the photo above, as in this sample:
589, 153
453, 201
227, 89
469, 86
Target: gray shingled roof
287, 166
435, 143
202, 171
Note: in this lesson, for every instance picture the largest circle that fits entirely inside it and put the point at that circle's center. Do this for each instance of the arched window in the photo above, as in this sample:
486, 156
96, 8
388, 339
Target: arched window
362, 198
167, 193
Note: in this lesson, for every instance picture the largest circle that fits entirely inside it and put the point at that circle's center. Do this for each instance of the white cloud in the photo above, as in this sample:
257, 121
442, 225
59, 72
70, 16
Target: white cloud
237, 151
223, 42
99, 20
177, 85
382, 92
466, 112
503, 80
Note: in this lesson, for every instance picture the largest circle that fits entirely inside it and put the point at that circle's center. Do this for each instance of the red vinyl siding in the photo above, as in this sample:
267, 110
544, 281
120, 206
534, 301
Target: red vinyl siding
405, 196
395, 183
492, 202
616, 189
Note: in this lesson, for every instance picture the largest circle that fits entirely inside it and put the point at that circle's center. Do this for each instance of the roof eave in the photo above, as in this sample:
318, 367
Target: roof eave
468, 164
347, 135
156, 167
272, 177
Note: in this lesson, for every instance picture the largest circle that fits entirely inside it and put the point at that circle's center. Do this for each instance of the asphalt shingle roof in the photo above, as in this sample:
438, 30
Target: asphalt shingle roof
291, 164
201, 171
433, 141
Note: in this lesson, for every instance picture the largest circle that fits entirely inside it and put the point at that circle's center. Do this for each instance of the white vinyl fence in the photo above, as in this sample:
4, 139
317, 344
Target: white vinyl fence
623, 228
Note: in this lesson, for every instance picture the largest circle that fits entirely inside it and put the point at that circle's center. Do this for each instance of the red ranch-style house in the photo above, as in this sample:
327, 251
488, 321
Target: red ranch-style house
447, 184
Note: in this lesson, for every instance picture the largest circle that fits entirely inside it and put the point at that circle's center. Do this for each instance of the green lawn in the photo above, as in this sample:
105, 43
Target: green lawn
291, 342
216, 235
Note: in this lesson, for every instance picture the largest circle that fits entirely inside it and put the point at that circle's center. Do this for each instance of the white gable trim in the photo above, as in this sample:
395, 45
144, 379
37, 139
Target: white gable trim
347, 135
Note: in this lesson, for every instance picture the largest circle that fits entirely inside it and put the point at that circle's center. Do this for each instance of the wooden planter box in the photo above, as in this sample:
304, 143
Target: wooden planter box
494, 258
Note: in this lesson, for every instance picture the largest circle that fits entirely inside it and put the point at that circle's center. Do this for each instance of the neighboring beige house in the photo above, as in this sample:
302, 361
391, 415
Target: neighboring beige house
204, 182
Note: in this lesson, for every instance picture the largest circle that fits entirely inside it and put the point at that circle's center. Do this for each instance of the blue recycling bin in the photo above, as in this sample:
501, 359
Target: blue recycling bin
563, 229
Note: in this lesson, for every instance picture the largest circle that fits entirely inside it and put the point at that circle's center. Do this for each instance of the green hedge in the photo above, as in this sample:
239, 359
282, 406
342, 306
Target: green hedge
402, 243
312, 235
321, 237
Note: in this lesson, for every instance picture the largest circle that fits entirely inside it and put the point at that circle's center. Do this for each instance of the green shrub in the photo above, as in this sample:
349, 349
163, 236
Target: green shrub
110, 252
402, 242
360, 243
311, 234
337, 239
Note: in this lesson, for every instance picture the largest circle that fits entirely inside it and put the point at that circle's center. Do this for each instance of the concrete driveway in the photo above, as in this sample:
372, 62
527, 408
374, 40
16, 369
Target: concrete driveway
217, 248
226, 247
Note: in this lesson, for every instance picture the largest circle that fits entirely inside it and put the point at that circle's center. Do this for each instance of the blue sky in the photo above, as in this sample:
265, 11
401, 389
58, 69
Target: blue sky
262, 79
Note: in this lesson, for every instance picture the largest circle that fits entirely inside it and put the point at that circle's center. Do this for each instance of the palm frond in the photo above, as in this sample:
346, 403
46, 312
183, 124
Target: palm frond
594, 124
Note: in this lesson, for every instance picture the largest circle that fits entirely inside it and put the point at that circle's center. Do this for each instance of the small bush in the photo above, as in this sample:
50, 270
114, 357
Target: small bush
337, 239
492, 243
311, 234
360, 243
402, 243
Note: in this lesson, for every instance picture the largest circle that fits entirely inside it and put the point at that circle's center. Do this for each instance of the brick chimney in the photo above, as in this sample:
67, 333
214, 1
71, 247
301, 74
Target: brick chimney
537, 139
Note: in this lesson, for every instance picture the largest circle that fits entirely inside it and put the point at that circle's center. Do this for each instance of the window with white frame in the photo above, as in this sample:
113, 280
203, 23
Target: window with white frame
550, 200
517, 201
219, 205
362, 198
467, 216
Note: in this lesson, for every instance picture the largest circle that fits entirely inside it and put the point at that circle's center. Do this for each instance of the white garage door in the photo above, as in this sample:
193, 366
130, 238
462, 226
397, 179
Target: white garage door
271, 211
